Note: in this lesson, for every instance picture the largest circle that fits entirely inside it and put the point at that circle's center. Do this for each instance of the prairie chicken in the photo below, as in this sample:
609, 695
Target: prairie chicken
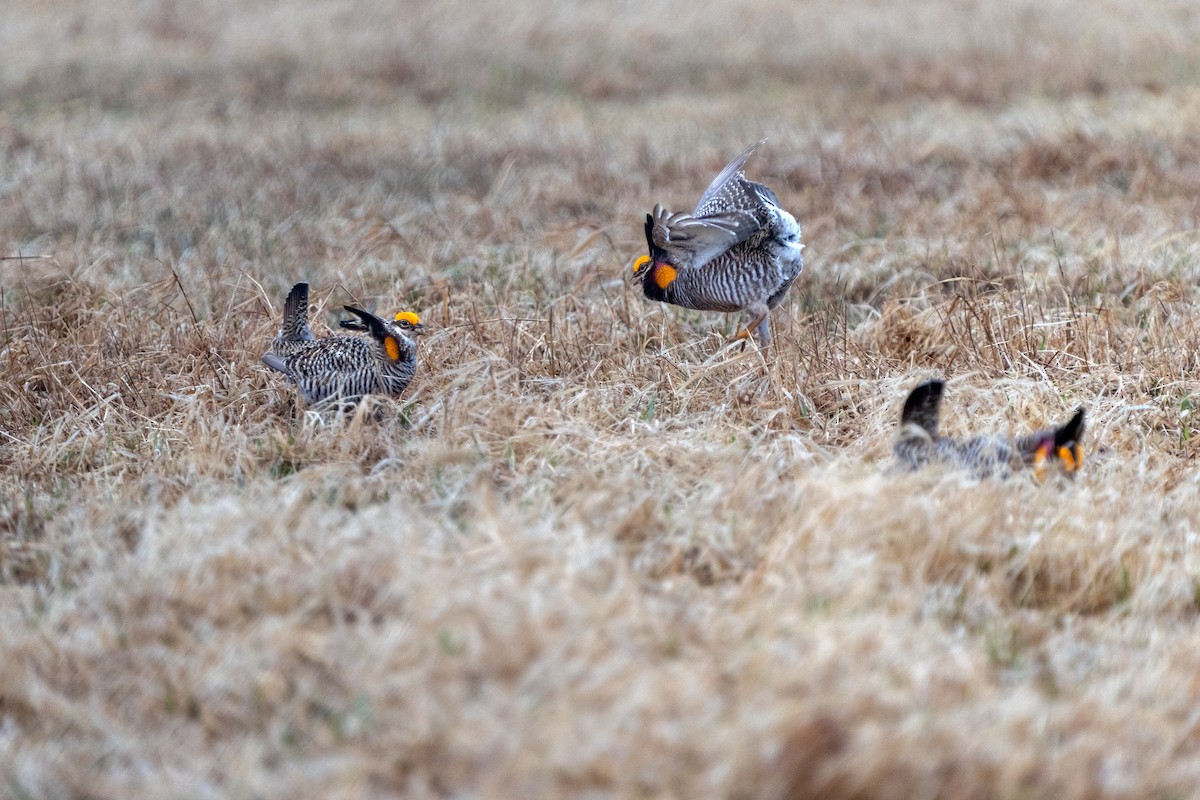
919, 443
738, 251
341, 369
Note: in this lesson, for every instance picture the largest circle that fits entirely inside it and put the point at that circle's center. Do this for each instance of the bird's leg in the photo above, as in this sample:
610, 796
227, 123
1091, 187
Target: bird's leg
759, 328
762, 332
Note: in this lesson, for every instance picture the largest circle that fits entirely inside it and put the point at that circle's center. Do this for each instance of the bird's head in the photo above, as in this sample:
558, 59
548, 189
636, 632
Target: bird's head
1057, 451
408, 322
654, 270
393, 336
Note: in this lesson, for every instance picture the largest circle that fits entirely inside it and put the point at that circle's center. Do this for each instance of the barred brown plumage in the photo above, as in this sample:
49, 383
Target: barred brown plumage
339, 370
738, 251
919, 443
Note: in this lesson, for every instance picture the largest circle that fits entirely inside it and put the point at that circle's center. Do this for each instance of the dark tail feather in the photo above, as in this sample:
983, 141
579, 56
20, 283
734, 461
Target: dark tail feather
921, 407
1070, 434
295, 314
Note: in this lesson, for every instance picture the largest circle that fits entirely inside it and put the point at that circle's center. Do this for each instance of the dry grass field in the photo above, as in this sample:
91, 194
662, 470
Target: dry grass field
595, 550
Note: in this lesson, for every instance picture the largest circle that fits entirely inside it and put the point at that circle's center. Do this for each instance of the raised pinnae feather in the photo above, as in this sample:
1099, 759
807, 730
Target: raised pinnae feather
369, 322
649, 227
1071, 432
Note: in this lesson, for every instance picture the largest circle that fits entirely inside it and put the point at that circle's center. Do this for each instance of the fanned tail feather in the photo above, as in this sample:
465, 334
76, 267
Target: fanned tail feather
921, 407
295, 315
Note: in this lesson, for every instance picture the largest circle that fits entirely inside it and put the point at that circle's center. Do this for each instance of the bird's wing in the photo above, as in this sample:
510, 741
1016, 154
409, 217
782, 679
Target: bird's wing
763, 194
276, 363
726, 189
693, 242
334, 355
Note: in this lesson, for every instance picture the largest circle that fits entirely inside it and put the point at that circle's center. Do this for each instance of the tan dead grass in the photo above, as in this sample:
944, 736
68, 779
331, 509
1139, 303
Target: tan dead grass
594, 550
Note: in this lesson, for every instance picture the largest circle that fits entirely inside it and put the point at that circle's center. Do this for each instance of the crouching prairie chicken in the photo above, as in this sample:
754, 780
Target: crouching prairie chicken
337, 370
919, 443
739, 251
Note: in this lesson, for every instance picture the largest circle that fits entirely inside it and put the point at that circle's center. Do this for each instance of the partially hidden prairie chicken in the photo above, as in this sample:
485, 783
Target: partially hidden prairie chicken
338, 370
919, 443
737, 252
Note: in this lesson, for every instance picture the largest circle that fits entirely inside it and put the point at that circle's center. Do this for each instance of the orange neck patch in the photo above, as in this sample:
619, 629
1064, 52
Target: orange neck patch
392, 347
1072, 458
664, 275
1039, 459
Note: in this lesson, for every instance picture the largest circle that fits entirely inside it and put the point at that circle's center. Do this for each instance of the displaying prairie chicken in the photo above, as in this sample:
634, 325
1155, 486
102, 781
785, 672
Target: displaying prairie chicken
341, 369
737, 252
919, 443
